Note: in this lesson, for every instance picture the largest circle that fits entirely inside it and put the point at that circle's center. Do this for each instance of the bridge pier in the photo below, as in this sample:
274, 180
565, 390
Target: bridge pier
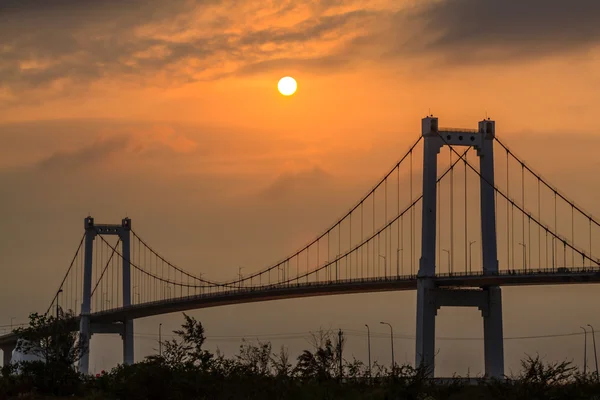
7, 350
128, 342
429, 297
493, 338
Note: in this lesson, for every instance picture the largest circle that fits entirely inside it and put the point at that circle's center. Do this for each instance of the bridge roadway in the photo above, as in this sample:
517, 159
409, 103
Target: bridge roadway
349, 286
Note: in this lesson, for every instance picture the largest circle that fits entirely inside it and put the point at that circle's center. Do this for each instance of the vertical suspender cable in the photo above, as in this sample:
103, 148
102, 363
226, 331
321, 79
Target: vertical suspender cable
523, 205
466, 216
507, 213
451, 212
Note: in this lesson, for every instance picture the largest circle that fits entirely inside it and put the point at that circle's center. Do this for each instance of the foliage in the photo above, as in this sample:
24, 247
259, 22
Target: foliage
186, 370
50, 338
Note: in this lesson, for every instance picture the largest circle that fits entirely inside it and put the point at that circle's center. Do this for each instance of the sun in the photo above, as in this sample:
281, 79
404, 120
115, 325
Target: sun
287, 86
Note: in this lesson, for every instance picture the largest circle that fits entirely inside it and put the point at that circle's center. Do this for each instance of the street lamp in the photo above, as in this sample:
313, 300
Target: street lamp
471, 255
449, 262
524, 255
160, 339
11, 320
57, 304
369, 346
384, 265
595, 355
398, 266
240, 275
584, 350
392, 340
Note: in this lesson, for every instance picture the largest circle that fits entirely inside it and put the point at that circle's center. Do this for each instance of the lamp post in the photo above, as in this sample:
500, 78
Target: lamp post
471, 255
449, 261
524, 255
369, 347
57, 303
384, 265
160, 339
11, 321
240, 275
584, 350
392, 341
398, 266
595, 355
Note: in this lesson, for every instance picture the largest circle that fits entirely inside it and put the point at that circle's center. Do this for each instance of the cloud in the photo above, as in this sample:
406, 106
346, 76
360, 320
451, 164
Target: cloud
473, 31
95, 153
291, 185
120, 146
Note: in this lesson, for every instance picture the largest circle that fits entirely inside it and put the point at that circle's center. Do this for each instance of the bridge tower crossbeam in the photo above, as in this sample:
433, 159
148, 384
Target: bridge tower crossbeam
429, 297
123, 231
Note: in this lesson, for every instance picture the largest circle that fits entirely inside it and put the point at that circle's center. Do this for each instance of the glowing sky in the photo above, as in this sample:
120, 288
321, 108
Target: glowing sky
169, 112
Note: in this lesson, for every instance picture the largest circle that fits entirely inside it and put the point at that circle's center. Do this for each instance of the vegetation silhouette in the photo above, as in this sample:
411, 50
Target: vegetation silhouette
186, 370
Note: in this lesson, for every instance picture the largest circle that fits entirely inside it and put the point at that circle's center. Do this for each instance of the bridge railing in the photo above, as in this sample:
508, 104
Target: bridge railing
341, 282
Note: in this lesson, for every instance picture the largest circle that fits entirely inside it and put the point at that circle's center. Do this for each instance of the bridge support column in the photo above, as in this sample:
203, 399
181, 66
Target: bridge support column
493, 335
125, 235
426, 312
84, 324
426, 309
7, 353
492, 319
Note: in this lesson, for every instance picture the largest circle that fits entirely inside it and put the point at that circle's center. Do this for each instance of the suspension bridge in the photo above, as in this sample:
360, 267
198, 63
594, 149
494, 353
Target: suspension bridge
455, 227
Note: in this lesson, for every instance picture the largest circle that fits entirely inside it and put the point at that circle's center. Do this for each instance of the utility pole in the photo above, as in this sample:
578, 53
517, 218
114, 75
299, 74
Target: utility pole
160, 339
369, 346
340, 353
595, 355
584, 350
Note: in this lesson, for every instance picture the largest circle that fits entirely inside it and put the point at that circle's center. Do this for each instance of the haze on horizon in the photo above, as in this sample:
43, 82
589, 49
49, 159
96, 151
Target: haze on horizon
168, 112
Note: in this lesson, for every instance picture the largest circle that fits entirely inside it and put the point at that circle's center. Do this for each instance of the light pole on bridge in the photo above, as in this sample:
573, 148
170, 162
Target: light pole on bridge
11, 322
471, 255
398, 265
595, 355
240, 275
524, 255
449, 260
392, 340
384, 265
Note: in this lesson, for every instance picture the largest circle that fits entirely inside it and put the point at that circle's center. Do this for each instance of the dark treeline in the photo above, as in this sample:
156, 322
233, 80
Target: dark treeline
185, 370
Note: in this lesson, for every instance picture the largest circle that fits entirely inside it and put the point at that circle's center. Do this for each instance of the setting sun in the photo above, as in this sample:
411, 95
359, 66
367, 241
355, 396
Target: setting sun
287, 86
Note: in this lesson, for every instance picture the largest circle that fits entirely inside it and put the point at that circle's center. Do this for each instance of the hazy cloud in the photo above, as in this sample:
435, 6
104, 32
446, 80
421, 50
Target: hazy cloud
67, 45
468, 31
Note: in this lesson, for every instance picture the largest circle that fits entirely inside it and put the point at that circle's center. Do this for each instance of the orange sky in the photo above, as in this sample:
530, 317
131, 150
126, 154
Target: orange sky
168, 111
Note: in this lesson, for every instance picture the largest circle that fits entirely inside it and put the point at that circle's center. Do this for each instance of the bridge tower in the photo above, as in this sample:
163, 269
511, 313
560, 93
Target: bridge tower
429, 297
125, 327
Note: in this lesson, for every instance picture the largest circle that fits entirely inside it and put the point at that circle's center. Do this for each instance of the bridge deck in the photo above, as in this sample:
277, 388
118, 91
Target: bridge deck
349, 286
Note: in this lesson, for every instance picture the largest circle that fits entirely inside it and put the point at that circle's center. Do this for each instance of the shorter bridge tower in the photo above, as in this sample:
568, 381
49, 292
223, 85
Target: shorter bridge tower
429, 297
125, 327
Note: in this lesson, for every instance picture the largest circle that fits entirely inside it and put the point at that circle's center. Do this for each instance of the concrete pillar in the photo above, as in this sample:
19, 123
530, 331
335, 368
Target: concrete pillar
492, 319
7, 353
125, 236
493, 335
487, 192
426, 312
426, 306
84, 327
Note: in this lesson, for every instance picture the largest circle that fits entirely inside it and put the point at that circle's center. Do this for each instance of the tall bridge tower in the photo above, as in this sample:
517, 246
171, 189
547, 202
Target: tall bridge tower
125, 327
429, 297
